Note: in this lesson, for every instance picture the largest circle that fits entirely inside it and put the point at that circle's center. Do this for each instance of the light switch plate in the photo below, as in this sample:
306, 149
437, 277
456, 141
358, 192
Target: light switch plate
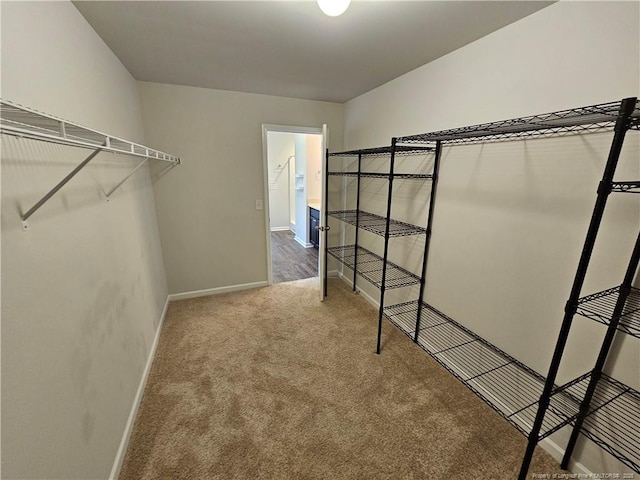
259, 204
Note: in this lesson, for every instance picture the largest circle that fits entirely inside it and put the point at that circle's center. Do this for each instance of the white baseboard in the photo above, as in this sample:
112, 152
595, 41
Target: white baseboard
216, 291
333, 274
365, 295
279, 229
126, 435
302, 242
547, 444
553, 449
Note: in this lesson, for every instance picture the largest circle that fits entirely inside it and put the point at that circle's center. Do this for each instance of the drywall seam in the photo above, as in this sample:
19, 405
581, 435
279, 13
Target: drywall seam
547, 444
126, 435
216, 291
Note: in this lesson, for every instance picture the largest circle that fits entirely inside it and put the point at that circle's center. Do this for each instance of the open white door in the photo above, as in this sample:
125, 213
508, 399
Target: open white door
322, 251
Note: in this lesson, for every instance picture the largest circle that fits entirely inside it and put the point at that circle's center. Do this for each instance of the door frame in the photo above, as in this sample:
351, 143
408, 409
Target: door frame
266, 128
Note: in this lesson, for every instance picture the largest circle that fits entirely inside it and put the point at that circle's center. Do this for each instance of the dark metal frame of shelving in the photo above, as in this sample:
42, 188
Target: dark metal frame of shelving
534, 404
618, 307
365, 263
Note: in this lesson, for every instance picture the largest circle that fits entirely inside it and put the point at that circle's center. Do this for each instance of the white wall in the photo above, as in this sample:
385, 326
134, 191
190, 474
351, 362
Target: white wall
212, 235
292, 193
301, 180
314, 167
84, 289
511, 218
280, 147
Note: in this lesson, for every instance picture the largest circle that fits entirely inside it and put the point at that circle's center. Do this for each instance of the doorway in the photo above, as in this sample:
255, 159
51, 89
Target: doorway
293, 198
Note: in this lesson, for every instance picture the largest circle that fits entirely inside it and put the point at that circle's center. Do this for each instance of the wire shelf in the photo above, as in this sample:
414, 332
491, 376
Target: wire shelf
614, 422
377, 224
384, 151
512, 389
626, 187
370, 266
565, 122
24, 122
408, 176
508, 386
599, 307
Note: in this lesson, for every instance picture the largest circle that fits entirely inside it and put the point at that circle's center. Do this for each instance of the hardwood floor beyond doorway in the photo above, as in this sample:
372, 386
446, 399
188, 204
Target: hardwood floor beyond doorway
290, 260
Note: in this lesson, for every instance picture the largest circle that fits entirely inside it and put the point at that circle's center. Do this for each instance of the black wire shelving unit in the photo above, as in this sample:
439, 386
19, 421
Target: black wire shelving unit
378, 270
599, 407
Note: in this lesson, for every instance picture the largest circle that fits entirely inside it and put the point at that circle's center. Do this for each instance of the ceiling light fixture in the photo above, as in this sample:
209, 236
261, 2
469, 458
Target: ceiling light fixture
333, 8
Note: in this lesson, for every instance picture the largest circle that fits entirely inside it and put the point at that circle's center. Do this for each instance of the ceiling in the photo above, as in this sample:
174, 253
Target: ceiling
290, 48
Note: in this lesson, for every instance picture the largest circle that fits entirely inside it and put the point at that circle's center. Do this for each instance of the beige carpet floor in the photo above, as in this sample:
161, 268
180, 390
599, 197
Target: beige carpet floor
274, 384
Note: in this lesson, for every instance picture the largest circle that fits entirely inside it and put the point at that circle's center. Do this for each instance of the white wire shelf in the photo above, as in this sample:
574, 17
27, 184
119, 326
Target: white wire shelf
25, 122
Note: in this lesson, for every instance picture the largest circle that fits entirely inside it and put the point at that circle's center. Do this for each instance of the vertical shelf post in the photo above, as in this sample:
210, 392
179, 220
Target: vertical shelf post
355, 260
326, 221
627, 107
604, 351
386, 244
427, 240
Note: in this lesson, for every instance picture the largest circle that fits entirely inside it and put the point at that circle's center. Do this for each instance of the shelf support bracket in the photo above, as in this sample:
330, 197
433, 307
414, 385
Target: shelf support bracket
112, 191
55, 189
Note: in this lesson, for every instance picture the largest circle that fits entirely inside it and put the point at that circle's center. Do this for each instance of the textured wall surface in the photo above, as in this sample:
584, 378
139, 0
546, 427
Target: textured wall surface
84, 288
